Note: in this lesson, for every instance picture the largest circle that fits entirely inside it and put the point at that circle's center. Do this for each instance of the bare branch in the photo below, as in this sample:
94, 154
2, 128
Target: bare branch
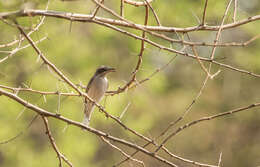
220, 159
87, 18
37, 91
235, 11
181, 128
219, 31
14, 51
122, 8
53, 144
154, 13
94, 13
136, 3
74, 17
122, 152
204, 13
124, 111
80, 125
46, 61
32, 31
140, 56
175, 51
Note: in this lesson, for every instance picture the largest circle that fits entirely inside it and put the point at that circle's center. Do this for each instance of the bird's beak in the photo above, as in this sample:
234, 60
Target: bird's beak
111, 69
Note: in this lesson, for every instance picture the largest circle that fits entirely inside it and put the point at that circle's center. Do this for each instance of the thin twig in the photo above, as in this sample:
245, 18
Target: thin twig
204, 13
124, 111
53, 144
220, 159
43, 93
140, 56
181, 128
94, 13
122, 152
219, 31
235, 11
173, 123
32, 31
155, 72
200, 62
20, 133
122, 8
14, 51
154, 13
136, 3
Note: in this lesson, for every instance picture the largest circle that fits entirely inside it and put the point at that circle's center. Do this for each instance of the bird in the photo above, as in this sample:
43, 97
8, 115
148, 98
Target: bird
96, 89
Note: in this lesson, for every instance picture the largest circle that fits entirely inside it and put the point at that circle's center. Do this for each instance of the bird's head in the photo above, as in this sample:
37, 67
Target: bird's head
103, 70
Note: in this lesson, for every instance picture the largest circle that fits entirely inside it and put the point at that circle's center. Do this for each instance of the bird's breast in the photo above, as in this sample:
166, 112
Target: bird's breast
98, 88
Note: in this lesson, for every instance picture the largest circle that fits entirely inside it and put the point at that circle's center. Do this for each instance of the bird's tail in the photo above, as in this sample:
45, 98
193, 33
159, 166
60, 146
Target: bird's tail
86, 120
88, 108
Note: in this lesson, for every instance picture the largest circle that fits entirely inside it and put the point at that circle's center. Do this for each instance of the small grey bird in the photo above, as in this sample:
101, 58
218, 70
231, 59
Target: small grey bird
96, 89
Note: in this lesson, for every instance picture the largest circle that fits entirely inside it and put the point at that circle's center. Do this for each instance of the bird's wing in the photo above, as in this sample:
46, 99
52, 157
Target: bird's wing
88, 106
88, 87
89, 83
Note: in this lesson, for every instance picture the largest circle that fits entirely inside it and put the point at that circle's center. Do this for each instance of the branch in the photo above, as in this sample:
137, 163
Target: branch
207, 119
46, 61
204, 13
37, 91
137, 37
94, 13
220, 159
122, 8
137, 3
122, 152
32, 31
159, 46
59, 154
211, 57
14, 51
235, 11
175, 51
80, 125
87, 18
154, 13
219, 31
140, 56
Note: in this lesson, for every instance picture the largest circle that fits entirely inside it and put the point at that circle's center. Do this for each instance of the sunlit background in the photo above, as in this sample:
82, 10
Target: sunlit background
79, 48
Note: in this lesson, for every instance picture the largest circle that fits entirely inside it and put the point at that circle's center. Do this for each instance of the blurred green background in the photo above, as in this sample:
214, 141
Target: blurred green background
153, 105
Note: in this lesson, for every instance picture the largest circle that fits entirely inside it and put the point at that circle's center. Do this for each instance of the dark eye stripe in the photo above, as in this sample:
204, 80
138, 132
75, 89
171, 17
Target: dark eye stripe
101, 70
